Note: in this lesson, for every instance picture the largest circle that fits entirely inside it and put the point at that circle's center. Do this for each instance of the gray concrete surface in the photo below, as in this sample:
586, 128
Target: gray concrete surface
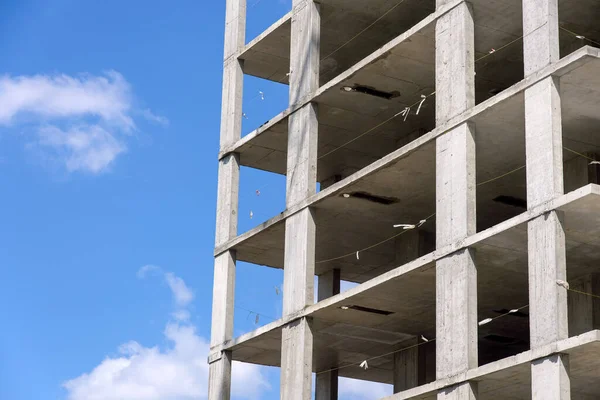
511, 104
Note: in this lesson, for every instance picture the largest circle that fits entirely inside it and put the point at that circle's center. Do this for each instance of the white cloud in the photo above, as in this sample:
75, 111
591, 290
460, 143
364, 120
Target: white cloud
82, 121
183, 295
150, 116
60, 96
146, 269
82, 148
354, 389
177, 372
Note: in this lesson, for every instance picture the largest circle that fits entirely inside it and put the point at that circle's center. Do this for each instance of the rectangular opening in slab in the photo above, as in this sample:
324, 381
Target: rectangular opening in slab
258, 297
261, 197
262, 101
498, 46
578, 25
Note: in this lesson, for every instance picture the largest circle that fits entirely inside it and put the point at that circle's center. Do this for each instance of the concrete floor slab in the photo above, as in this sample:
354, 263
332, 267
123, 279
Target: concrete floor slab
510, 378
400, 188
347, 334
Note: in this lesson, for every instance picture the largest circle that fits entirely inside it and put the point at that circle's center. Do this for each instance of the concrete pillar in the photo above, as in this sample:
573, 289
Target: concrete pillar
299, 263
456, 274
540, 34
406, 367
546, 238
584, 310
329, 284
410, 366
327, 382
578, 172
227, 200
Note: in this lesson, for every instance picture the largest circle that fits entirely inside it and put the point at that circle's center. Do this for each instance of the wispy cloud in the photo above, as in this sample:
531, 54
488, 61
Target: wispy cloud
81, 148
182, 294
177, 372
82, 121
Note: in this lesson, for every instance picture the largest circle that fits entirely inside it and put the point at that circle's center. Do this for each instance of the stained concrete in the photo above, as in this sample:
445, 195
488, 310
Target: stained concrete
384, 173
349, 336
347, 224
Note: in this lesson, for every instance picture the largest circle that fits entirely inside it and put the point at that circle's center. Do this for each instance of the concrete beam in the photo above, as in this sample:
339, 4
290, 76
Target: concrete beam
566, 203
227, 200
456, 275
300, 231
564, 347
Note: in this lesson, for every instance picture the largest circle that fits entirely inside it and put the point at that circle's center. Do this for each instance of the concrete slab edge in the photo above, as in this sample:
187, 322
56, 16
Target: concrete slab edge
560, 68
561, 346
420, 264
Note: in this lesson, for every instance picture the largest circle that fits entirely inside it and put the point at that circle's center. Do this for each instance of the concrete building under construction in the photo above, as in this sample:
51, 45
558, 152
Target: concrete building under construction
455, 143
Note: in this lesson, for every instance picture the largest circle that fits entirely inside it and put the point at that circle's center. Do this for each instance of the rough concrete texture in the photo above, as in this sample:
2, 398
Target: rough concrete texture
227, 199
485, 153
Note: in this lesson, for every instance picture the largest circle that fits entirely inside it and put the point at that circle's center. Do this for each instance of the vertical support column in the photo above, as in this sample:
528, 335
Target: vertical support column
546, 239
578, 172
410, 365
327, 382
584, 310
219, 387
456, 274
300, 231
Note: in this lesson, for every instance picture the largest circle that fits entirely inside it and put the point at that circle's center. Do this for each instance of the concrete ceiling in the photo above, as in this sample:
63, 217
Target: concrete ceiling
510, 379
350, 336
407, 182
497, 23
403, 64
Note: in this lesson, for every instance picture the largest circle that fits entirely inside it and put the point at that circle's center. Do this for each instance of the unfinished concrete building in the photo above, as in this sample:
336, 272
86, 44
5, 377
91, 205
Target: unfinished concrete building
455, 143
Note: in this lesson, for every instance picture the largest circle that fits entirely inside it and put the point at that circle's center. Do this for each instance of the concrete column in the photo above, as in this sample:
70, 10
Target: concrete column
578, 172
540, 34
327, 382
299, 263
546, 240
329, 284
456, 274
219, 387
584, 310
410, 366
406, 368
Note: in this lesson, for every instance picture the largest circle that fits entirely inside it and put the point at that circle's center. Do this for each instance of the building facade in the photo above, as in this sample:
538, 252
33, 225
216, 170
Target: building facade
455, 146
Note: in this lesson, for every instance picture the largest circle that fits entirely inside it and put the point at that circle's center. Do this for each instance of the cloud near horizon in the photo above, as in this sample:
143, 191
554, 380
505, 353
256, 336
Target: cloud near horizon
82, 122
177, 372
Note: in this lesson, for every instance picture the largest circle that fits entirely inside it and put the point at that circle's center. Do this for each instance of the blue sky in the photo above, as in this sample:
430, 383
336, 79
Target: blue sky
109, 129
